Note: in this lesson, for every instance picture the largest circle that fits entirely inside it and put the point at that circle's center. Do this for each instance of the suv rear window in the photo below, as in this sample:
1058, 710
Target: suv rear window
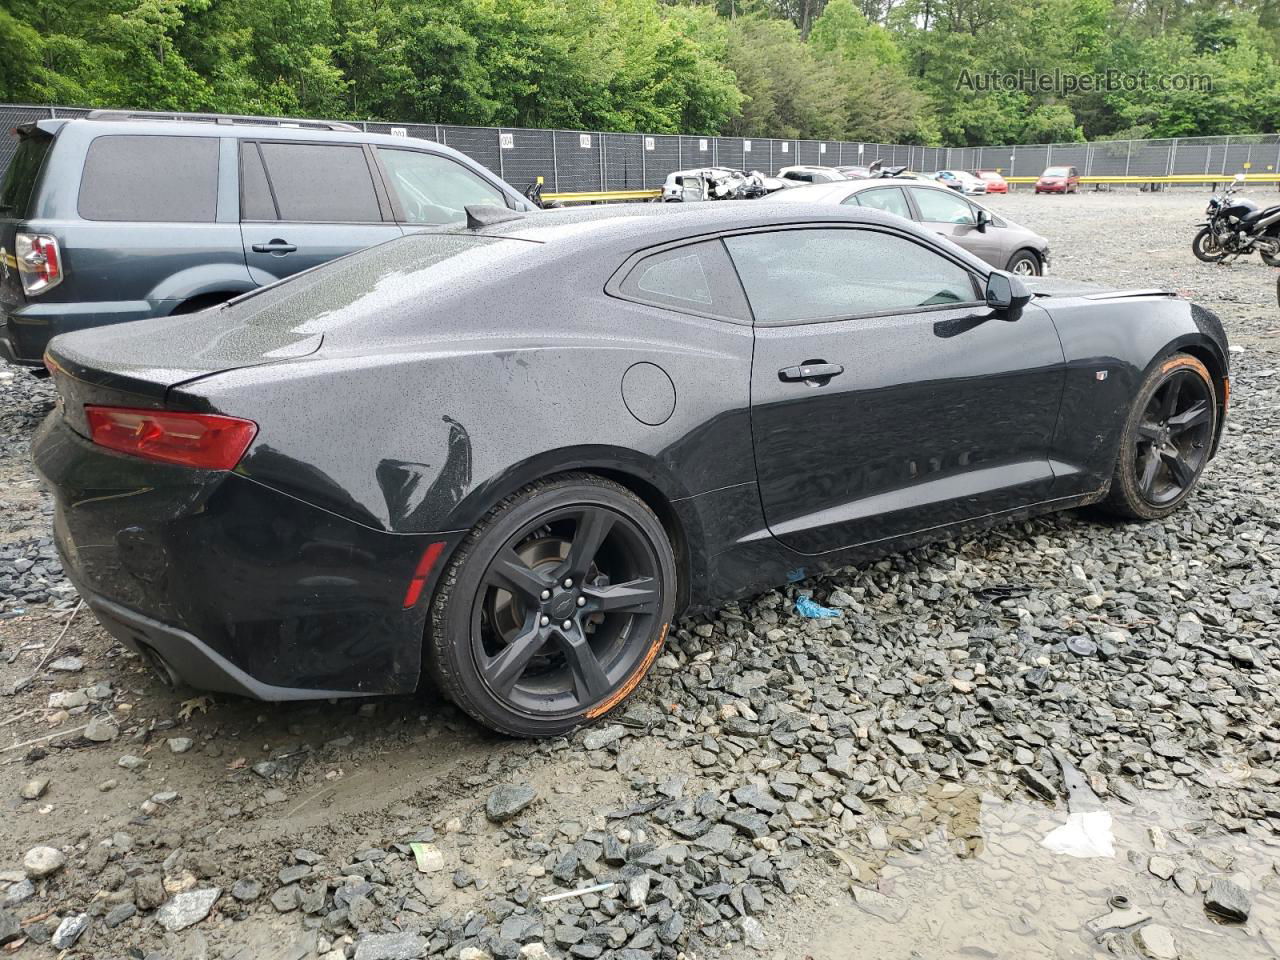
24, 170
150, 178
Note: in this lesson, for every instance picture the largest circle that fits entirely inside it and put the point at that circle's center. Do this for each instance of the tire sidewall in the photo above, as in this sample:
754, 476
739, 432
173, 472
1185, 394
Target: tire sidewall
1130, 495
452, 606
1197, 247
1024, 255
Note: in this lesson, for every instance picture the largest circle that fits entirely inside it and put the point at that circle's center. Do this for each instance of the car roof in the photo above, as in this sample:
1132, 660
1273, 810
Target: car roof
242, 130
634, 226
826, 192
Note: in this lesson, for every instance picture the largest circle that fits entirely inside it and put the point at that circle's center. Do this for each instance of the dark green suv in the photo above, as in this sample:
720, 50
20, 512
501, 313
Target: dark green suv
124, 216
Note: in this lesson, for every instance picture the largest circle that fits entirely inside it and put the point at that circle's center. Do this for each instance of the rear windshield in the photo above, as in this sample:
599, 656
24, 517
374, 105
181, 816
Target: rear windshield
371, 281
24, 170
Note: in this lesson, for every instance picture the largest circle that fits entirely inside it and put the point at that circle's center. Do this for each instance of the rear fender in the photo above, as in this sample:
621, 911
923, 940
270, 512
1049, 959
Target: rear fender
205, 278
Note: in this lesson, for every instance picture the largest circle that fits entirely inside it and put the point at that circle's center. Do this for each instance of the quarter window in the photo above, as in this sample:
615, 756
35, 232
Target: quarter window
792, 275
435, 189
255, 193
697, 278
889, 199
321, 183
939, 206
150, 178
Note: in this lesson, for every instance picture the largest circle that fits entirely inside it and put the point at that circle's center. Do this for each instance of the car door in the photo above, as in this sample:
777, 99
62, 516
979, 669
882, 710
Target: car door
886, 398
429, 189
955, 218
303, 204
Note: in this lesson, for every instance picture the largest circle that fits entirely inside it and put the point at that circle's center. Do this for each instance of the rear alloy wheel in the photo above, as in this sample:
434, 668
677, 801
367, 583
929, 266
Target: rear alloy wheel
1166, 440
1024, 263
554, 607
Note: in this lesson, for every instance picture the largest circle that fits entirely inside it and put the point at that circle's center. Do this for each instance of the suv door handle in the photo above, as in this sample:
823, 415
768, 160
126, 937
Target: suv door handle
275, 246
818, 372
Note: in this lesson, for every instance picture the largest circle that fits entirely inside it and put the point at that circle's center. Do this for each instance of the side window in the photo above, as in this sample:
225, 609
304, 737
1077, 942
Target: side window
321, 183
817, 274
150, 178
937, 206
889, 199
435, 189
256, 202
697, 278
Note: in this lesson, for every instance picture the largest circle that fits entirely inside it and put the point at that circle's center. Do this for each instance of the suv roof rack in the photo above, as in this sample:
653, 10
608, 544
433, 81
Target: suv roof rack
221, 118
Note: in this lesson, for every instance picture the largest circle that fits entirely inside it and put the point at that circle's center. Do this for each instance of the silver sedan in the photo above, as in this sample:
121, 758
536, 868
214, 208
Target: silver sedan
996, 239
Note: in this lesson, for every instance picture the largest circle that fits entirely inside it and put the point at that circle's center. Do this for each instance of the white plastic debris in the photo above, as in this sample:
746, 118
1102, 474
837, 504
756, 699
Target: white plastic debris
1084, 835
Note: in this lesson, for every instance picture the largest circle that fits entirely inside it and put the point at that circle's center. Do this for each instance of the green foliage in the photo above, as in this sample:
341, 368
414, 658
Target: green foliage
878, 70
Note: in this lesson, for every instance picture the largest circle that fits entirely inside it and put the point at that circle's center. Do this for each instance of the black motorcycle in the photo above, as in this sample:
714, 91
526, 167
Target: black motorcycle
1236, 228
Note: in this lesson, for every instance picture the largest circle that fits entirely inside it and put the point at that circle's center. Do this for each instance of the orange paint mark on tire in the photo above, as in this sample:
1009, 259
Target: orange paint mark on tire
633, 681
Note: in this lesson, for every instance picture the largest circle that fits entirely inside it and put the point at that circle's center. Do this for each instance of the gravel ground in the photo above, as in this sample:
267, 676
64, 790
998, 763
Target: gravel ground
780, 787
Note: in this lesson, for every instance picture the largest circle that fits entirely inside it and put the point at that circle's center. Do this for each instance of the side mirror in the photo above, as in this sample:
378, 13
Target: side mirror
984, 220
1007, 294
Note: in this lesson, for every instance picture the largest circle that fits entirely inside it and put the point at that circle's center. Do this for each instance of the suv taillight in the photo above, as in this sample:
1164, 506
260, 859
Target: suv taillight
207, 441
39, 262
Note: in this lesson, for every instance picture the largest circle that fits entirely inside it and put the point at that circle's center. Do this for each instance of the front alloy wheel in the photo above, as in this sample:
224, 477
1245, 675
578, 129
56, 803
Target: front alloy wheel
554, 608
1167, 440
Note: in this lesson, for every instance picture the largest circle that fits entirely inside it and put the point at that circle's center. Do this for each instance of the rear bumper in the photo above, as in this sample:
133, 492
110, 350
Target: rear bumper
10, 355
29, 328
236, 587
184, 658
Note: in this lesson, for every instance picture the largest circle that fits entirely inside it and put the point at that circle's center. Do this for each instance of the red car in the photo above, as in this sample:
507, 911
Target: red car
1059, 180
995, 183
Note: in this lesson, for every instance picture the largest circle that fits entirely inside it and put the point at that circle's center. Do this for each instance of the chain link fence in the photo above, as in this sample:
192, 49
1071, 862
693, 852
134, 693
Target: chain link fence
571, 161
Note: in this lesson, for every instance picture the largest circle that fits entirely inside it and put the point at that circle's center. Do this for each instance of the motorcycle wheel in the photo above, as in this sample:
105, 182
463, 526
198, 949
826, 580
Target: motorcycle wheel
1271, 260
1206, 248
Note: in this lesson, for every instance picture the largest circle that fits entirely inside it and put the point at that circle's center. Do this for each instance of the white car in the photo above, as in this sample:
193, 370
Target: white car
719, 183
812, 174
961, 180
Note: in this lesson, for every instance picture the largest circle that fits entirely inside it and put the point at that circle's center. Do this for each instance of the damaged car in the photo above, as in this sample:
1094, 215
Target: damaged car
511, 455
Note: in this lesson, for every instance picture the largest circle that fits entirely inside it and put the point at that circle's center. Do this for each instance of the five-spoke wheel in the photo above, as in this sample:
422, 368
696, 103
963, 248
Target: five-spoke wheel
555, 606
1167, 439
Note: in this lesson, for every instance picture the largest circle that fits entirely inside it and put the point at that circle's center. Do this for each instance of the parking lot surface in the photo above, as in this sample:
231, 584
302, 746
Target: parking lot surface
939, 771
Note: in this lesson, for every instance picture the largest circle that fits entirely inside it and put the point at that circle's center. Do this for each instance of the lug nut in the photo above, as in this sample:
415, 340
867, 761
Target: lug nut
568, 583
544, 621
582, 601
546, 594
567, 624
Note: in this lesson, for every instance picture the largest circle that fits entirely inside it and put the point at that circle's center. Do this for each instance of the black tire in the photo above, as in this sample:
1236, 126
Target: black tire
554, 607
1024, 263
1206, 248
1271, 260
1166, 440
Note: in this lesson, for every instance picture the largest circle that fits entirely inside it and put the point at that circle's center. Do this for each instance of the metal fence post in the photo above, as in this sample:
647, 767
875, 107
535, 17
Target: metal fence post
502, 172
1173, 157
604, 176
644, 166
1128, 155
555, 162
1226, 149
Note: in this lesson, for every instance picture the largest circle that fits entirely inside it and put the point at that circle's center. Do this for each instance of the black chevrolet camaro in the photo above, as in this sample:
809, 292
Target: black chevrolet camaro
511, 453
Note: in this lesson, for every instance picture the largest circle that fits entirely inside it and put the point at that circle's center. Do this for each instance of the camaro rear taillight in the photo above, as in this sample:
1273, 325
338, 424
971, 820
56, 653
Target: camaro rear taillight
207, 441
39, 262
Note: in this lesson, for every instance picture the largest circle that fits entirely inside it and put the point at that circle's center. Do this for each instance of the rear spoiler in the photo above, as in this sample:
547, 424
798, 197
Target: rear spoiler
48, 127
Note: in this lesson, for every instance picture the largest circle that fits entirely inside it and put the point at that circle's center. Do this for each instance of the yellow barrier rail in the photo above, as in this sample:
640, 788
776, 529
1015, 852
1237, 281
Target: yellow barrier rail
602, 195
1176, 178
